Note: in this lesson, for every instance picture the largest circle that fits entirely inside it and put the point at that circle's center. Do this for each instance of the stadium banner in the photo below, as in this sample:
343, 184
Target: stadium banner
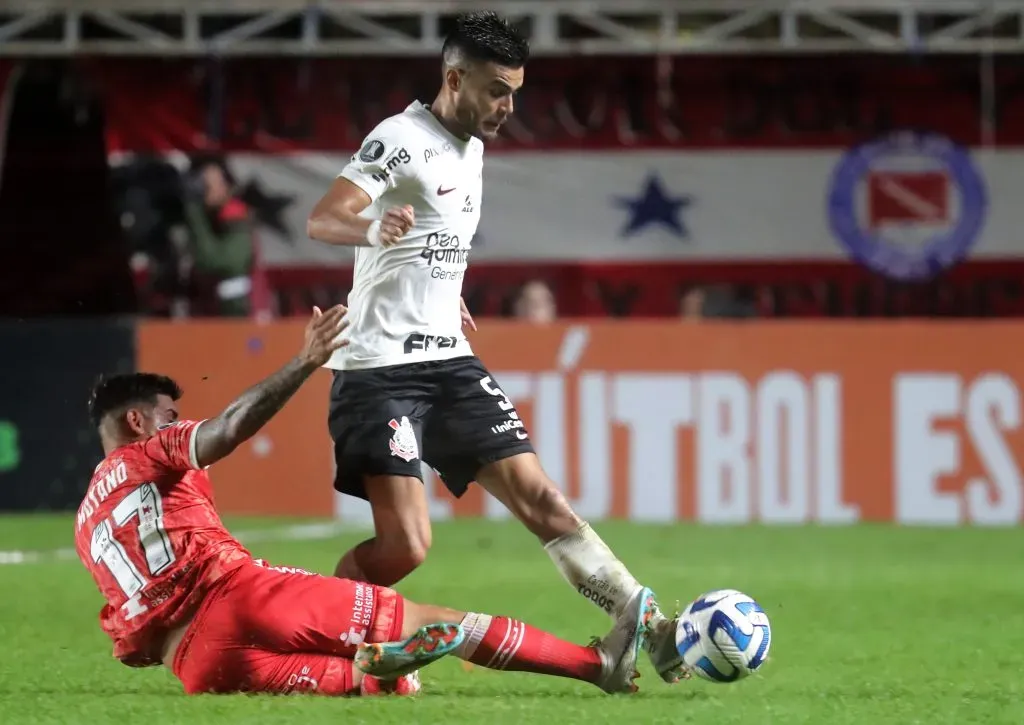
48, 447
917, 423
672, 163
923, 227
908, 207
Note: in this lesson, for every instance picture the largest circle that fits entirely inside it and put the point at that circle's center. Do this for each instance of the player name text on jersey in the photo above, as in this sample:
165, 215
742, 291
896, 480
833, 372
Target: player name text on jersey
100, 490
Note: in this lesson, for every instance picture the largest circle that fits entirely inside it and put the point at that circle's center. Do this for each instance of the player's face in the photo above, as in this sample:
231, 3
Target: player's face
485, 98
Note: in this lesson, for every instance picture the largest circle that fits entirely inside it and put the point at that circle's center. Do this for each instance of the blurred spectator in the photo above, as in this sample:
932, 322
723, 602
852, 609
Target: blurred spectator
691, 303
715, 301
535, 303
221, 240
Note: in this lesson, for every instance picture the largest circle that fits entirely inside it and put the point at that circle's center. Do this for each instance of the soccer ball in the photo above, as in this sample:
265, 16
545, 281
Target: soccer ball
723, 636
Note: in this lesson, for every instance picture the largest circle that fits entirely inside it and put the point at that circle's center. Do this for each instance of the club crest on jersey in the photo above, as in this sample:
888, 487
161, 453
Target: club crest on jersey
371, 151
403, 442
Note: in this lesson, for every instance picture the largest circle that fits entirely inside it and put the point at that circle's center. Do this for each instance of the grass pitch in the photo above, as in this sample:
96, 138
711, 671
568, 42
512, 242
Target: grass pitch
871, 625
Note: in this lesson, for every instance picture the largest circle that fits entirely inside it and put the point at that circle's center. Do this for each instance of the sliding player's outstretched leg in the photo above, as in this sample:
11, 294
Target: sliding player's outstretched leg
503, 643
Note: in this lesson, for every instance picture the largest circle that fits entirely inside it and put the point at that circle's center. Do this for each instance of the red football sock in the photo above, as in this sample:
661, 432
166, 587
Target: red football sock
500, 643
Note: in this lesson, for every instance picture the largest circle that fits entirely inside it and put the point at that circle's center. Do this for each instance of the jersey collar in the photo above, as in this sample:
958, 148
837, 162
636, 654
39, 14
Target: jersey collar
424, 110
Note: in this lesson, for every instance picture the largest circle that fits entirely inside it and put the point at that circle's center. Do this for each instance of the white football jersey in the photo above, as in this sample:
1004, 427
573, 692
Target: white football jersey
404, 304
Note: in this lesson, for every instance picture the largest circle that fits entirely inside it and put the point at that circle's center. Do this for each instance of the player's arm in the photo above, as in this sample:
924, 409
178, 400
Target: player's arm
216, 437
376, 168
336, 218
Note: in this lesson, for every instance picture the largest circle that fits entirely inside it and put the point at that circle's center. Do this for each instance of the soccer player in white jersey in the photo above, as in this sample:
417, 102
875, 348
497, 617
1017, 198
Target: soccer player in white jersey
408, 388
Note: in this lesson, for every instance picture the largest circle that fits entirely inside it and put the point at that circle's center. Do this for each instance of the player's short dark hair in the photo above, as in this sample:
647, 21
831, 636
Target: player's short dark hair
119, 392
486, 37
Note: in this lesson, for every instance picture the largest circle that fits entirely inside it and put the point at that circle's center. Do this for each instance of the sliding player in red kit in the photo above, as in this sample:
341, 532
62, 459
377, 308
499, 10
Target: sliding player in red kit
182, 592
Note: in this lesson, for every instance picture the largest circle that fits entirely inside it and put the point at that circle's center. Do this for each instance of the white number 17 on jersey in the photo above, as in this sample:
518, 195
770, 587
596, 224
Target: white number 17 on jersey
145, 504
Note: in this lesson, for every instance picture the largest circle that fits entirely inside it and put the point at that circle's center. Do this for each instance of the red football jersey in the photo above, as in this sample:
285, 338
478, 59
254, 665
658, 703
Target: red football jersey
150, 536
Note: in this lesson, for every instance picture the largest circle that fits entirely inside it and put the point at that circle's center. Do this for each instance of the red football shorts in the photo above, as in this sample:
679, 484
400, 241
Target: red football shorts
282, 630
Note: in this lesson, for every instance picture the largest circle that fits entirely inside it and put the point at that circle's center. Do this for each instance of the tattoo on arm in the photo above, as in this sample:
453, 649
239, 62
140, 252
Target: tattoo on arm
217, 437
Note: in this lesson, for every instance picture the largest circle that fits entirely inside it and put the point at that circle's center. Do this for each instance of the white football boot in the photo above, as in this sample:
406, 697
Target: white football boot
662, 650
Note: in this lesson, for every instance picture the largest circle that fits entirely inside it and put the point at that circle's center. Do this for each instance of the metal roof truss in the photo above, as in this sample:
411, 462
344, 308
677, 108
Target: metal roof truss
556, 27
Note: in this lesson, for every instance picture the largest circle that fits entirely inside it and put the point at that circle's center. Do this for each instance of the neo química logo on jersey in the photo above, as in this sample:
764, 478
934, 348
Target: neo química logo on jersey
909, 205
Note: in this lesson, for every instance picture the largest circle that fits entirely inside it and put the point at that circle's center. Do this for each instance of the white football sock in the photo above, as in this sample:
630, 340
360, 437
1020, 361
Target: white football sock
593, 570
475, 626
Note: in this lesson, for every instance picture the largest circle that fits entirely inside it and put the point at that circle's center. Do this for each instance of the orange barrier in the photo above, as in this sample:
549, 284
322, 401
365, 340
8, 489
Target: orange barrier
914, 422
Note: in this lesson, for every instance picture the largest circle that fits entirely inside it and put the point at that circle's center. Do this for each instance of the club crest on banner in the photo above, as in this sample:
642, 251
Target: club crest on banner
909, 205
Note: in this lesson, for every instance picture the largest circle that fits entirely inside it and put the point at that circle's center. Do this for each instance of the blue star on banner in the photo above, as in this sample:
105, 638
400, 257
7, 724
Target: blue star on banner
655, 206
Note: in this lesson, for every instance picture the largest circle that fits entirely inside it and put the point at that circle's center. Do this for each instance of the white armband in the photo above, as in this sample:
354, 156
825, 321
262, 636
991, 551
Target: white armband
373, 233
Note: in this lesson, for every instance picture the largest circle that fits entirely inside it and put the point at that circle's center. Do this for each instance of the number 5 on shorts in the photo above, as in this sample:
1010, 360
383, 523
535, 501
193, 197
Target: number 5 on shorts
487, 384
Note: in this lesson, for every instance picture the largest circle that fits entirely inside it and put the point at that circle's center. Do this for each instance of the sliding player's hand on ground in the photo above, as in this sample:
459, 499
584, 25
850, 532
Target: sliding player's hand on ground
323, 335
